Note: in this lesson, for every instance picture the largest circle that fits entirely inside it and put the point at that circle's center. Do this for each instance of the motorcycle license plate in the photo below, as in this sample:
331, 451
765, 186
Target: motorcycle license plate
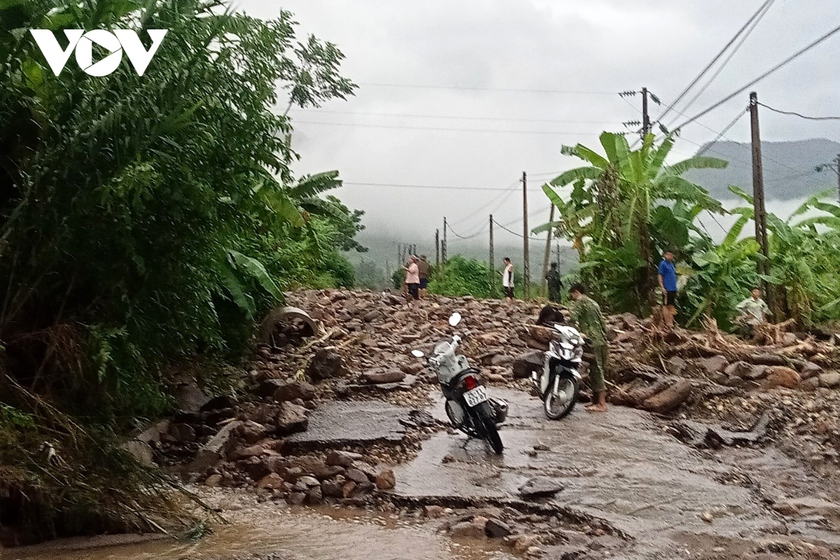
475, 397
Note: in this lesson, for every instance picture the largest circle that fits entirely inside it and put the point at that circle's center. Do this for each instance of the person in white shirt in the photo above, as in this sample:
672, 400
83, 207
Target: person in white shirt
507, 280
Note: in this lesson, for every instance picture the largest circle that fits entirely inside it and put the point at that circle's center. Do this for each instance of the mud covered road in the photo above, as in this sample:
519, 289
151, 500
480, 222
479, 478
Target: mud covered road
656, 497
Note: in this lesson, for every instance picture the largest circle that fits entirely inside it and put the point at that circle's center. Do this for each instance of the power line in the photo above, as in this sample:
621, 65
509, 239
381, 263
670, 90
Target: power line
516, 234
465, 238
500, 199
762, 76
440, 129
722, 133
725, 62
431, 187
452, 117
801, 116
473, 88
762, 11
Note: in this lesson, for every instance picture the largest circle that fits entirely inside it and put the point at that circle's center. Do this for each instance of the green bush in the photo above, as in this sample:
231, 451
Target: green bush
466, 277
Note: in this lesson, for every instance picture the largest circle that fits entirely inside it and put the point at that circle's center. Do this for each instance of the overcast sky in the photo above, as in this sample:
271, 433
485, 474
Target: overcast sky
434, 106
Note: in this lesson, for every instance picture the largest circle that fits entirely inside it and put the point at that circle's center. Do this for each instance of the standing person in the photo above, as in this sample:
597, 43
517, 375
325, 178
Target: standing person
423, 272
412, 280
555, 285
507, 280
668, 285
753, 311
586, 316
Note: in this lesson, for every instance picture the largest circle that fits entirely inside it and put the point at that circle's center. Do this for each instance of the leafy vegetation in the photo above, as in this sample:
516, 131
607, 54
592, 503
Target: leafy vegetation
625, 209
145, 221
466, 277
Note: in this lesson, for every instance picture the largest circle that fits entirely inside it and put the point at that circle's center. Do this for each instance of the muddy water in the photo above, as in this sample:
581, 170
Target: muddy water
280, 532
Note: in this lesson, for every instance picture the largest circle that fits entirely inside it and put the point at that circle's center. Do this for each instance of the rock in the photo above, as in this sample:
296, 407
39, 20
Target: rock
356, 475
268, 386
386, 480
309, 481
372, 316
525, 363
342, 458
326, 364
190, 398
715, 364
272, 481
213, 481
412, 368
246, 452
291, 419
780, 376
676, 366
294, 390
809, 370
348, 489
830, 379
496, 529
707, 517
743, 370
332, 489
522, 543
786, 508
297, 498
669, 399
315, 496
539, 487
379, 377
255, 467
467, 530
141, 451
250, 431
219, 445
182, 432
152, 434
501, 360
219, 403
433, 512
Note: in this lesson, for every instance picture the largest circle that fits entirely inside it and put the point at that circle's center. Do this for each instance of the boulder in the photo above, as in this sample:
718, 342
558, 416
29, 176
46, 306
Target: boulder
467, 530
332, 489
342, 458
676, 366
152, 434
291, 419
809, 370
355, 475
668, 400
315, 495
272, 481
715, 364
213, 481
781, 376
141, 451
496, 529
190, 398
525, 363
267, 387
326, 364
386, 480
540, 487
219, 445
294, 390
379, 377
251, 432
246, 452
830, 379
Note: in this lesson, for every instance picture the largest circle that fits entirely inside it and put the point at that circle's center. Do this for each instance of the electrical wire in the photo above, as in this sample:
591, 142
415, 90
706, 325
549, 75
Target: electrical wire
465, 238
441, 129
429, 187
801, 116
503, 196
722, 133
471, 88
761, 77
762, 11
517, 234
451, 117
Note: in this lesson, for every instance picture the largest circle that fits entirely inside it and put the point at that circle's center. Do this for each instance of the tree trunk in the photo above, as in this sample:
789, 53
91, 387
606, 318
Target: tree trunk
645, 281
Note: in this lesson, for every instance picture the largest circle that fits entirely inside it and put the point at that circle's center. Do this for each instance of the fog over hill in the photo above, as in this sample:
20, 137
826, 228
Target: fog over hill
789, 168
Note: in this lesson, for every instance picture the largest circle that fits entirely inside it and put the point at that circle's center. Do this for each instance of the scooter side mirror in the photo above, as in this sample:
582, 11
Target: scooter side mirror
417, 353
454, 319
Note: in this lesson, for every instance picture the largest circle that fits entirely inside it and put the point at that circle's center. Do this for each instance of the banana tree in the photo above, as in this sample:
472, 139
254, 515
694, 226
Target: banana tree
615, 199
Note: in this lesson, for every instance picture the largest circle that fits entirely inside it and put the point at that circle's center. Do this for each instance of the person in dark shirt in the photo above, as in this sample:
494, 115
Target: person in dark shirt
424, 269
668, 285
555, 285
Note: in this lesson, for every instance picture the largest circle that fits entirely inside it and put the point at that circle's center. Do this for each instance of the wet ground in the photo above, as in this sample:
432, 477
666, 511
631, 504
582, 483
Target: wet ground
659, 499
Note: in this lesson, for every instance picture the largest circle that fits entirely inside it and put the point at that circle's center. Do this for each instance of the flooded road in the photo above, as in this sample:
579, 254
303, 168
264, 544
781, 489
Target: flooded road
277, 532
656, 498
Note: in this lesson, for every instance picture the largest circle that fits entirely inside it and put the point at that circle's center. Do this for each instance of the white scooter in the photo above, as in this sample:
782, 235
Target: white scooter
558, 383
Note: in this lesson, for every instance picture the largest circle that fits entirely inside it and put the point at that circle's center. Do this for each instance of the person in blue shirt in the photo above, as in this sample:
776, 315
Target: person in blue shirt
668, 285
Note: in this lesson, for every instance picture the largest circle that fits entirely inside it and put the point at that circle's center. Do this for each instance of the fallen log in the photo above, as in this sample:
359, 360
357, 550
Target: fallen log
698, 434
670, 399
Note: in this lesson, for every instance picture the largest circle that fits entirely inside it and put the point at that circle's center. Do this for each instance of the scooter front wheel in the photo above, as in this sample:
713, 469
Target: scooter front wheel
560, 402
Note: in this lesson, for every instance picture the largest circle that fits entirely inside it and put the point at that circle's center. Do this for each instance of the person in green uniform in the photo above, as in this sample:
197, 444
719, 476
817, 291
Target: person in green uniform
586, 317
554, 283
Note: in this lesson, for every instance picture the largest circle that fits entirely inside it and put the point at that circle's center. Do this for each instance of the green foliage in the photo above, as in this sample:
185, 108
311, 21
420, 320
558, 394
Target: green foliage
625, 208
465, 277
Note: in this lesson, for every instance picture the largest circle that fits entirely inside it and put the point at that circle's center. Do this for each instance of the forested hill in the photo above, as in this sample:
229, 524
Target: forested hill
789, 168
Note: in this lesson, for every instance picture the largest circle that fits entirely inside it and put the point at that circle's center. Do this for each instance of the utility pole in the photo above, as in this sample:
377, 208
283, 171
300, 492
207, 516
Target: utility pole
526, 265
437, 248
547, 253
492, 257
645, 114
838, 177
399, 253
443, 247
758, 195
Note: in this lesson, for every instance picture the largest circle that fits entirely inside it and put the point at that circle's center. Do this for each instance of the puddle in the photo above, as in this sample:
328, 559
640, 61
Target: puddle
288, 534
